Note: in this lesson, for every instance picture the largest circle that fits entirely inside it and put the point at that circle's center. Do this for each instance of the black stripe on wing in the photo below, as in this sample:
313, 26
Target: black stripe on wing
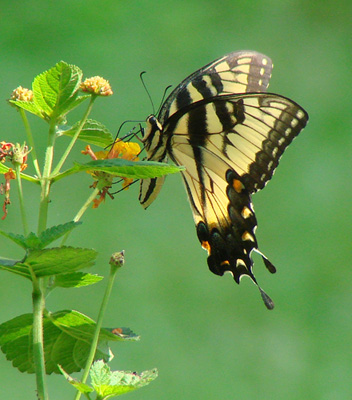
250, 132
237, 72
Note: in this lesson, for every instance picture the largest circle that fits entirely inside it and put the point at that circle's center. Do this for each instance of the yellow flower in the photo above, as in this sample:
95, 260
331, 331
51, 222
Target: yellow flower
97, 85
22, 94
120, 149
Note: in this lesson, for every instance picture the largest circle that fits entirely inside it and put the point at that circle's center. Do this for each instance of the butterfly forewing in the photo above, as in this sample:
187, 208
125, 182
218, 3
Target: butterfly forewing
237, 72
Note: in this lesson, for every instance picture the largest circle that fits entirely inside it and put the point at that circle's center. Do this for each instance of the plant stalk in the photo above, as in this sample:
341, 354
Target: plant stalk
85, 206
30, 141
38, 300
75, 137
45, 180
20, 196
93, 348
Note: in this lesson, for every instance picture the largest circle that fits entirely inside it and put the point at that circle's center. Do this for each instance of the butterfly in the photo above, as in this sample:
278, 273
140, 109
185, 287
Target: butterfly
229, 134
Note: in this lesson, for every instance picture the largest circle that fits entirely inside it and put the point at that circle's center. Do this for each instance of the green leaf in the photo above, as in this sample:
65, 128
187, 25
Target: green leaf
32, 241
123, 168
123, 334
130, 169
109, 384
15, 268
67, 338
3, 168
93, 132
29, 106
55, 232
7, 262
55, 91
76, 102
57, 260
76, 279
82, 387
17, 238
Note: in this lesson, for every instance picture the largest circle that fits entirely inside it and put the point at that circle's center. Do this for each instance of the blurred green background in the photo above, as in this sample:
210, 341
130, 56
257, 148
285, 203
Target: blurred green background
209, 338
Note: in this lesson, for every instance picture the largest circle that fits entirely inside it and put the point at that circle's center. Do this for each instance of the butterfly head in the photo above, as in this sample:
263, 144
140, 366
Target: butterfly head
152, 138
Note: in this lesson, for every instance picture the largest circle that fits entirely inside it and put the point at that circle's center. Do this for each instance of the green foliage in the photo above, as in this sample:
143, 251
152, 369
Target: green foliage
55, 92
32, 241
93, 132
129, 169
108, 384
67, 337
76, 280
45, 342
53, 261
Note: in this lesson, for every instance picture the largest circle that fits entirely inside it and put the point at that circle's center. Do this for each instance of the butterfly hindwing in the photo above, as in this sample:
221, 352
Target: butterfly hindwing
232, 159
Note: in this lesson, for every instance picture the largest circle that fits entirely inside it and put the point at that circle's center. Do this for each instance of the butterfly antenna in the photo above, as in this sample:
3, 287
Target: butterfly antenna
129, 135
146, 89
120, 190
163, 98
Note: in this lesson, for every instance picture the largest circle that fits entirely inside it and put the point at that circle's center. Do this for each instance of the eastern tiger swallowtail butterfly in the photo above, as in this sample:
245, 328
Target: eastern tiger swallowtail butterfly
229, 134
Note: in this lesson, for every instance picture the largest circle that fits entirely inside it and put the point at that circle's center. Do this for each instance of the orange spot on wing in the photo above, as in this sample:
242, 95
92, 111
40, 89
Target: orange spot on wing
237, 185
206, 246
226, 262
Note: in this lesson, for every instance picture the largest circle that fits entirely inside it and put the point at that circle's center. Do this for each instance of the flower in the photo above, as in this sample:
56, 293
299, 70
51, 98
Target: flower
17, 155
22, 94
10, 174
120, 149
97, 85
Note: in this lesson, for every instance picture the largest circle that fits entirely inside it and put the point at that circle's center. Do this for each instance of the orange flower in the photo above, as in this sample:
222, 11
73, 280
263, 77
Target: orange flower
17, 155
120, 149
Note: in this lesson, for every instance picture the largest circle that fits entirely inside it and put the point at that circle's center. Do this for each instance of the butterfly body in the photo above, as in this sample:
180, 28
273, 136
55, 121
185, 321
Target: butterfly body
229, 134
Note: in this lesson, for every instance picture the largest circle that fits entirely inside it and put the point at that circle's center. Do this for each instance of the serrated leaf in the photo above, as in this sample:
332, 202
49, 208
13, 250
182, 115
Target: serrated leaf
29, 106
55, 90
55, 232
76, 280
109, 384
32, 241
17, 238
130, 169
57, 260
76, 102
67, 338
93, 132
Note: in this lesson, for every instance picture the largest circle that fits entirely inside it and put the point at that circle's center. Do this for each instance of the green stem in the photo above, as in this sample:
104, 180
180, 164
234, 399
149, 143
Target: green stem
30, 141
45, 180
38, 340
30, 178
39, 284
20, 196
75, 137
113, 270
85, 206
